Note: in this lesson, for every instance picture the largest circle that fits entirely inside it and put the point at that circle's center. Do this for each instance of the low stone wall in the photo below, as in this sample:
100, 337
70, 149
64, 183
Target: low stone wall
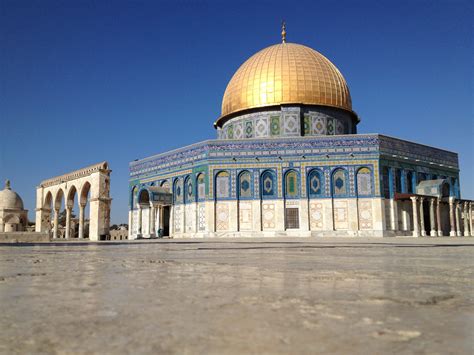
120, 234
23, 237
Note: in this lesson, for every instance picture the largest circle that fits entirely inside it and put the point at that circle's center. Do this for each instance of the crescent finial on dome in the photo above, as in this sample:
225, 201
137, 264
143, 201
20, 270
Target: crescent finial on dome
7, 184
283, 31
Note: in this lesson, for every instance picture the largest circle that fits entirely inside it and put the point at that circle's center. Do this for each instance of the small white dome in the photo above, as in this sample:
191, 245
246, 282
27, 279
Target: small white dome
9, 199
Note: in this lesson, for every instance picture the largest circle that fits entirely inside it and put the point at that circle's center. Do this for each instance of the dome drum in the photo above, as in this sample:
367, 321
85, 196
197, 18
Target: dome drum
288, 121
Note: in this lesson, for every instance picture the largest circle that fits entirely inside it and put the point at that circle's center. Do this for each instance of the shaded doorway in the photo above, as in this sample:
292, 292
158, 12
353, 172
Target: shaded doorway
166, 221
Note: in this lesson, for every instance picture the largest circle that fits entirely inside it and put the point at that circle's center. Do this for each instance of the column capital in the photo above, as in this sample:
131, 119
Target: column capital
415, 198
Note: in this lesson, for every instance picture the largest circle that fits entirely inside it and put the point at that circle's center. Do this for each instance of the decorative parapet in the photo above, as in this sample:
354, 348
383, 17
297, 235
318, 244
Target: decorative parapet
406, 150
99, 167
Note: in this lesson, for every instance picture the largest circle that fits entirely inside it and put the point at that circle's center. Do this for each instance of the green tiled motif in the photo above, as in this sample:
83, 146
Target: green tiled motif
230, 132
330, 126
275, 125
248, 129
307, 124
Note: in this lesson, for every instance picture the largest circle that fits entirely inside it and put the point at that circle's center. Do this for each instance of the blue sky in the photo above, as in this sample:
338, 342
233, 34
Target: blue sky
85, 81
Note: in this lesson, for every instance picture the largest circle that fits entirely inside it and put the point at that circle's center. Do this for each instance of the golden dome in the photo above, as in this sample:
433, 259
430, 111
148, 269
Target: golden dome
286, 73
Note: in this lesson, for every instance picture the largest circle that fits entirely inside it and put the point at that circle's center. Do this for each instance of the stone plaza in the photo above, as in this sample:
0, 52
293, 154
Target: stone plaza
239, 296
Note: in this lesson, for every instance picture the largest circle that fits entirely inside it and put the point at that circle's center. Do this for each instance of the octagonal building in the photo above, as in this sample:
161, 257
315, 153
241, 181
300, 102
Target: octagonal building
288, 161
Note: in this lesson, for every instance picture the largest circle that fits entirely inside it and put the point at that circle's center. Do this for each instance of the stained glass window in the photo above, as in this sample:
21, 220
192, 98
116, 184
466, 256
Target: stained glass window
364, 182
291, 187
315, 186
222, 185
245, 187
339, 182
267, 183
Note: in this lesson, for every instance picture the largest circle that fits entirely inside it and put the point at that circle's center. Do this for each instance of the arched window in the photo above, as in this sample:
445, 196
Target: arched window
315, 183
339, 183
385, 182
222, 185
409, 183
201, 187
245, 185
364, 182
291, 184
178, 190
267, 185
398, 180
188, 190
144, 197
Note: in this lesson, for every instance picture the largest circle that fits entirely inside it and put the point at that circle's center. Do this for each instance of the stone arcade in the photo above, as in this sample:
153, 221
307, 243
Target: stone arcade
91, 184
288, 162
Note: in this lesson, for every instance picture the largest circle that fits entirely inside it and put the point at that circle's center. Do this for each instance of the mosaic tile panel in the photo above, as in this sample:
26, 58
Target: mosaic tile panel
319, 125
291, 125
275, 125
330, 126
222, 185
261, 127
245, 185
364, 182
307, 124
339, 182
238, 130
248, 129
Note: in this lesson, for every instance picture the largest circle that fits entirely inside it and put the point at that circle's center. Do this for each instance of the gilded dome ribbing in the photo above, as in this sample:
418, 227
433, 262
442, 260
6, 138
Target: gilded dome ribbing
286, 73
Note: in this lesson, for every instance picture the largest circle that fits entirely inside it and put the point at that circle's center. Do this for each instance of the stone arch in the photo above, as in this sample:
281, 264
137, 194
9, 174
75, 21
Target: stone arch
144, 197
58, 199
85, 191
93, 180
71, 194
12, 223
